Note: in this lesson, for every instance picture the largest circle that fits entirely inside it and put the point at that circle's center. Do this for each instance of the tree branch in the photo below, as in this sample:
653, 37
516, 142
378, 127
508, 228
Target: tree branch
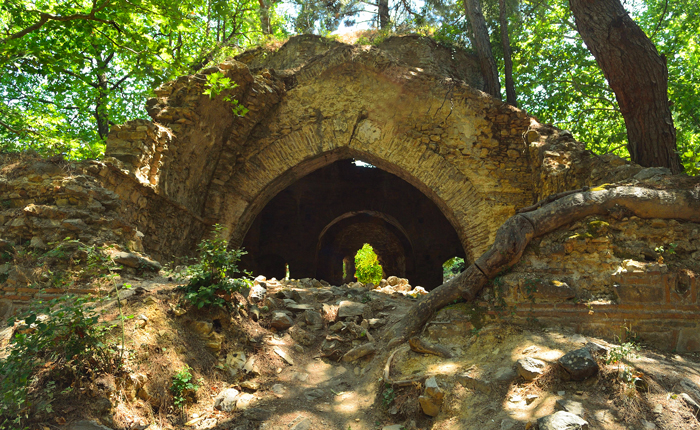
46, 17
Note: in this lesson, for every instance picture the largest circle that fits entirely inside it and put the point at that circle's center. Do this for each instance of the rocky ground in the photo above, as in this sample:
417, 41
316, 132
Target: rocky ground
306, 355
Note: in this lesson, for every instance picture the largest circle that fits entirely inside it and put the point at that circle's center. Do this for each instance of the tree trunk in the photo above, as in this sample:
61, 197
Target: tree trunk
637, 74
265, 18
383, 11
505, 41
482, 44
517, 231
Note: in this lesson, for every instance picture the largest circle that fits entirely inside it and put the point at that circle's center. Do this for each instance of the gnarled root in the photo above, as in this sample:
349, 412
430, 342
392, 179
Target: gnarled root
514, 235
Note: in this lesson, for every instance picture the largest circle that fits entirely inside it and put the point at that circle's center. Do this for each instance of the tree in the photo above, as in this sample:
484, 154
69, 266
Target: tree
507, 60
69, 70
637, 74
482, 44
383, 13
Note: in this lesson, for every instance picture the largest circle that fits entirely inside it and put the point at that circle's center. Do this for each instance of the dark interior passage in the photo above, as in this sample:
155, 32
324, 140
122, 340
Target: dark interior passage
321, 221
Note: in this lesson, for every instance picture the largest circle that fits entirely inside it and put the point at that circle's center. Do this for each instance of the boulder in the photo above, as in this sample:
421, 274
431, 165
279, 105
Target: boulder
562, 421
570, 406
257, 293
281, 321
226, 400
431, 400
359, 352
313, 319
350, 309
579, 364
530, 368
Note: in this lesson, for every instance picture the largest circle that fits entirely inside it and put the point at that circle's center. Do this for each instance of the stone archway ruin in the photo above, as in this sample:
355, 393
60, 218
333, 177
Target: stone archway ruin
412, 109
408, 106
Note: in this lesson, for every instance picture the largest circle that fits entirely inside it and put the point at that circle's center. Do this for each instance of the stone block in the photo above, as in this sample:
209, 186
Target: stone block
688, 340
631, 293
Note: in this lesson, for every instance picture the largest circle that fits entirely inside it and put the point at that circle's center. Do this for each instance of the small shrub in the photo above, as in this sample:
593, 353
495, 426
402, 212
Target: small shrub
622, 352
183, 387
367, 267
211, 281
216, 84
64, 333
388, 395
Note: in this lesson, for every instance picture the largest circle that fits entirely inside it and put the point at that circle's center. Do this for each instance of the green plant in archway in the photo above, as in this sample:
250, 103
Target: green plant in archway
211, 280
367, 267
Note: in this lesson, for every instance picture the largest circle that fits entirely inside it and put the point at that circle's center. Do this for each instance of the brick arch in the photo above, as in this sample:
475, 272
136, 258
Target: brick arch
396, 256
413, 116
260, 180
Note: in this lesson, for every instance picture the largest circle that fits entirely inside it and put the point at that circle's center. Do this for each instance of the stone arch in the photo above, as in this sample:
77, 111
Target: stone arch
342, 237
444, 185
415, 116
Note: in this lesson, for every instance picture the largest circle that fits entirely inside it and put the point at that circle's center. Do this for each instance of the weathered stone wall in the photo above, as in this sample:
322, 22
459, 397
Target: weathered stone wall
168, 229
606, 275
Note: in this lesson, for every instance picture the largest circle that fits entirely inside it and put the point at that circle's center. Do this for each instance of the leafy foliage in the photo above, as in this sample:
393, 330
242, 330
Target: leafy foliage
367, 267
183, 387
211, 281
217, 83
63, 334
69, 69
452, 267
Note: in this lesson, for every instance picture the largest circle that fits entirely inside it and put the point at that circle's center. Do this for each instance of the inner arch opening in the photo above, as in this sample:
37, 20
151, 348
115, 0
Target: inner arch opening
314, 223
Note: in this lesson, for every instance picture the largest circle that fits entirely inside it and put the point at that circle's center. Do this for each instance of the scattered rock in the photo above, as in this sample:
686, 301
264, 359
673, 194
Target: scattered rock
302, 336
359, 352
286, 357
132, 260
431, 400
692, 404
570, 406
473, 383
650, 172
304, 424
257, 294
596, 348
505, 374
313, 319
648, 425
299, 307
579, 364
256, 414
393, 427
250, 385
281, 321
530, 368
226, 400
87, 425
244, 401
273, 303
278, 390
337, 326
508, 424
350, 309
562, 421
234, 362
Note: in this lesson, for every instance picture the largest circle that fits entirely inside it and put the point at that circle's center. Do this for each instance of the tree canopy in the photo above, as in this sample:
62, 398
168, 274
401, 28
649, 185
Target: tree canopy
70, 69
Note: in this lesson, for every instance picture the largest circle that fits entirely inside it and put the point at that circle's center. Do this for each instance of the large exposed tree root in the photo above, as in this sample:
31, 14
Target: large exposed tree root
514, 235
